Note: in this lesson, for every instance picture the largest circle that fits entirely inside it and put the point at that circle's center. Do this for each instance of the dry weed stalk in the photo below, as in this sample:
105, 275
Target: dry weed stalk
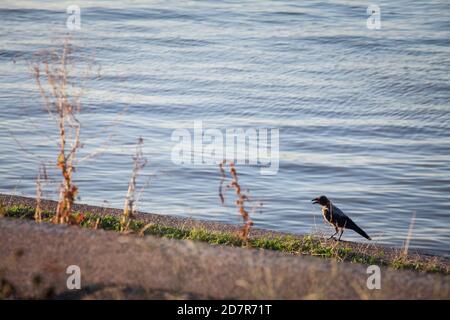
408, 238
242, 197
139, 162
62, 101
96, 224
145, 228
2, 209
42, 176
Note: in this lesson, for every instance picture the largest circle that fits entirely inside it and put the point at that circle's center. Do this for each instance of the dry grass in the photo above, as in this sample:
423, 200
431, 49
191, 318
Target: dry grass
139, 162
409, 237
63, 103
3, 209
41, 177
62, 96
242, 197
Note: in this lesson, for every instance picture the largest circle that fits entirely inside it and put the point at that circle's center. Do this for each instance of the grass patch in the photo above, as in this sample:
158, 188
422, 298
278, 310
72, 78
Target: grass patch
306, 245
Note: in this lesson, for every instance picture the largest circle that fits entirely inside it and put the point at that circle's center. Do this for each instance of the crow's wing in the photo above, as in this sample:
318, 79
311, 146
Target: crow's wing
343, 221
337, 214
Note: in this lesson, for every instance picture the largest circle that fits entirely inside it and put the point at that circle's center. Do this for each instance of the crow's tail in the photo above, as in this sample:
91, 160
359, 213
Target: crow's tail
351, 225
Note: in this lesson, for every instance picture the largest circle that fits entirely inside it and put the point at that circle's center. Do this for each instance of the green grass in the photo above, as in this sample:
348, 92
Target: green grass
306, 245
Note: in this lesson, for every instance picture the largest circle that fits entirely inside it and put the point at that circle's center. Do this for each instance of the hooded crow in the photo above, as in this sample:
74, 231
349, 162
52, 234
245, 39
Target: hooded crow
337, 218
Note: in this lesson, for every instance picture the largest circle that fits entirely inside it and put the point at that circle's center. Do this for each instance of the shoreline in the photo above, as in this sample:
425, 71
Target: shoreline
178, 222
116, 265
217, 233
162, 219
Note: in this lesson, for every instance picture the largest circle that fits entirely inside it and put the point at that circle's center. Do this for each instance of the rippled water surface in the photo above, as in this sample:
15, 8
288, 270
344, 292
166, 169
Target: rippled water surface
363, 114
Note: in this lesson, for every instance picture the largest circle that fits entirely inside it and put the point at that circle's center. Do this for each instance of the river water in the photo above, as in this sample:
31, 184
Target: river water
363, 115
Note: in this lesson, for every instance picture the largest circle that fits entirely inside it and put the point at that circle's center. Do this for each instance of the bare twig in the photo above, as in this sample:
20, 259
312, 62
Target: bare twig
129, 208
408, 238
222, 180
42, 176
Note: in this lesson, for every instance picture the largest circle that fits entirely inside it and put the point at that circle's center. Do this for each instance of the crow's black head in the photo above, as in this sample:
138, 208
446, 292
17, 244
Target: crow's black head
322, 200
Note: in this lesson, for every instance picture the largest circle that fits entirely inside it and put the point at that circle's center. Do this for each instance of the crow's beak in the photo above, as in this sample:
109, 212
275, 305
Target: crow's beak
316, 200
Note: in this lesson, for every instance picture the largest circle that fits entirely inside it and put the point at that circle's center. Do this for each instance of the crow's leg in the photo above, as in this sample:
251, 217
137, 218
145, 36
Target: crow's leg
337, 230
342, 231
